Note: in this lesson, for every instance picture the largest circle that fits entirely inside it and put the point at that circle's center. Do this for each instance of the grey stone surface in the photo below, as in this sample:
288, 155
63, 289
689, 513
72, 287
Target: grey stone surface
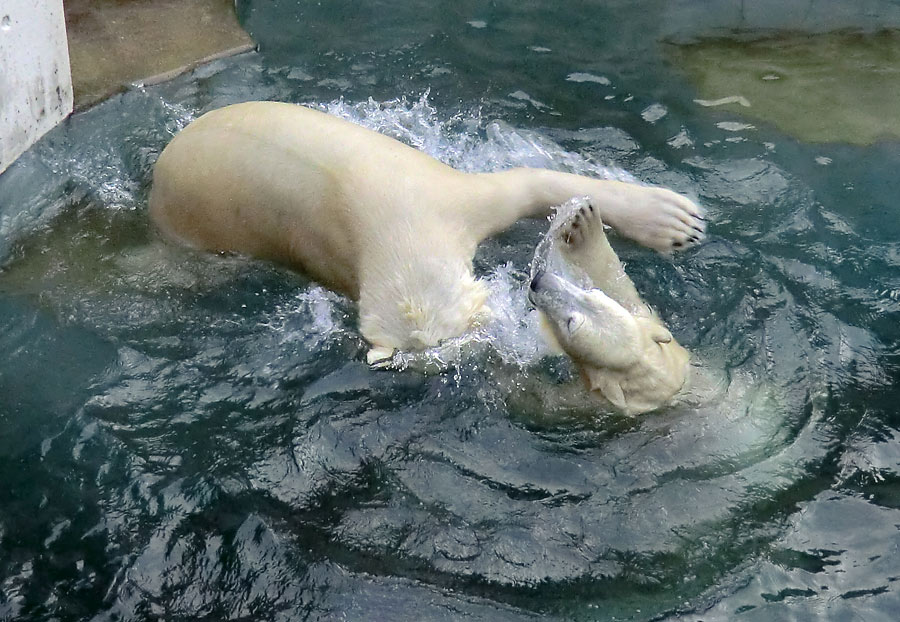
35, 83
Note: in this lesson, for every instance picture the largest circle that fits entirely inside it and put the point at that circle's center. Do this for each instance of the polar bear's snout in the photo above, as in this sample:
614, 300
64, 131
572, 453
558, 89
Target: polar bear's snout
554, 295
535, 282
535, 287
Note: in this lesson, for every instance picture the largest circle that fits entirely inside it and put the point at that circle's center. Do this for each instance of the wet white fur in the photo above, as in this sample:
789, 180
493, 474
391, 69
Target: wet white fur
371, 217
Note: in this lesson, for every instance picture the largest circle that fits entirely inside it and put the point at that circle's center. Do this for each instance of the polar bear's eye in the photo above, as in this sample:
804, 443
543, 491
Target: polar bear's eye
574, 322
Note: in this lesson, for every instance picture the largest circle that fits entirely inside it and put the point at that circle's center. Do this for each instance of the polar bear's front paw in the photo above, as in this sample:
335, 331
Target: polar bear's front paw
659, 219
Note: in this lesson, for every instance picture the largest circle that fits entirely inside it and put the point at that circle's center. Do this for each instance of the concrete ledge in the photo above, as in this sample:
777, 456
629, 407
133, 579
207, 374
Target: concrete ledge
35, 83
117, 43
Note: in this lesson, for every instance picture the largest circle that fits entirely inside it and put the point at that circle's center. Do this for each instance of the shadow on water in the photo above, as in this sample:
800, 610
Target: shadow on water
194, 436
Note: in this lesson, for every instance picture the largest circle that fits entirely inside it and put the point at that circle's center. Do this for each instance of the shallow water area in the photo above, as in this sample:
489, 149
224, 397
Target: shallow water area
189, 436
849, 77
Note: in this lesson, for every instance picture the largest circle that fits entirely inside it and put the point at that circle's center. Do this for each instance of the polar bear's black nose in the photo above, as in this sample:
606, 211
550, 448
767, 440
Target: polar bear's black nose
536, 281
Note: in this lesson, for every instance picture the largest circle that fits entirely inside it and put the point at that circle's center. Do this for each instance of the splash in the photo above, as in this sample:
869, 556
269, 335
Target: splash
312, 318
465, 140
512, 330
547, 256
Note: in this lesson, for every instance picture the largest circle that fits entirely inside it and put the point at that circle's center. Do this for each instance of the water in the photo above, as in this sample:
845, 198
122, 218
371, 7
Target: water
187, 436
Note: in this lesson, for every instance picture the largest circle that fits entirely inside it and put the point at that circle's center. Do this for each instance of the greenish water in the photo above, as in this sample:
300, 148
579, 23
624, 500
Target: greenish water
186, 436
850, 78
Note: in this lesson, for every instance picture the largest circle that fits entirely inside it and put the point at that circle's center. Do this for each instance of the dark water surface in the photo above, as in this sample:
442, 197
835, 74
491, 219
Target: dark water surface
185, 436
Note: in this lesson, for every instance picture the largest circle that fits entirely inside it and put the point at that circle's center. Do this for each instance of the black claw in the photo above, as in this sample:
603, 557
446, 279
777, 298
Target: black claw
677, 244
703, 218
696, 228
590, 206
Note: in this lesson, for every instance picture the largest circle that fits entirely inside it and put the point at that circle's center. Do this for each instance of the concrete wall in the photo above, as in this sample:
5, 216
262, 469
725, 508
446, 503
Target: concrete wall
35, 83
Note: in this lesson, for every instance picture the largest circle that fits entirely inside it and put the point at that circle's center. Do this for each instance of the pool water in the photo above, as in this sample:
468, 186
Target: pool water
191, 436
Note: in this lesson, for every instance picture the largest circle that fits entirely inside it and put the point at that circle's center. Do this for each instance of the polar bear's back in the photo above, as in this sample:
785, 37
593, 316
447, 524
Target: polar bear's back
255, 179
284, 182
313, 136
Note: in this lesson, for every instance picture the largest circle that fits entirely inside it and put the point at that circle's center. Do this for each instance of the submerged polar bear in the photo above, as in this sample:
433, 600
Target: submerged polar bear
380, 221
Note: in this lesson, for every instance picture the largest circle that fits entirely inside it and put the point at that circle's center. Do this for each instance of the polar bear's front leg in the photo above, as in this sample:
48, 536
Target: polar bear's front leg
654, 217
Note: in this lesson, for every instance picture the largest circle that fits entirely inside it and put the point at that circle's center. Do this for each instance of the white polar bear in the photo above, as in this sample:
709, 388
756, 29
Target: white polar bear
371, 217
622, 349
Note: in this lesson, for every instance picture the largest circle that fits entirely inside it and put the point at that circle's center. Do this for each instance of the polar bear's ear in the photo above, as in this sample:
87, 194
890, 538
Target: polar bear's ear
600, 380
380, 357
656, 331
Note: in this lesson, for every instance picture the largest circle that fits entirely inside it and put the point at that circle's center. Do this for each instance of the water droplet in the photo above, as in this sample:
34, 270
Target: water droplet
5, 23
654, 112
579, 76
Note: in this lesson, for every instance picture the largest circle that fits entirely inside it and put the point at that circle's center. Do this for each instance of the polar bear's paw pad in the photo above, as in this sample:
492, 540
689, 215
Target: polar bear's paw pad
581, 223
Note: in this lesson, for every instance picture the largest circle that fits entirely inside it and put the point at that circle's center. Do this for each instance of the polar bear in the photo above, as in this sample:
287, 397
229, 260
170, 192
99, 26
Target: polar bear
373, 218
624, 352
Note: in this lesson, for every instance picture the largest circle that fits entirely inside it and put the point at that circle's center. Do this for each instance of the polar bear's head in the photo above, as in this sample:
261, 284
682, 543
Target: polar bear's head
419, 305
631, 360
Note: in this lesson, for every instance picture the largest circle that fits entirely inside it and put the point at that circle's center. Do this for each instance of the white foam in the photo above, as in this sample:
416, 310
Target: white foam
313, 317
580, 76
466, 141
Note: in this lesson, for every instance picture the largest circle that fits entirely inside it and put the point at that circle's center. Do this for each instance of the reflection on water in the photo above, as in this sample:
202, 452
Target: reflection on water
190, 436
849, 79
